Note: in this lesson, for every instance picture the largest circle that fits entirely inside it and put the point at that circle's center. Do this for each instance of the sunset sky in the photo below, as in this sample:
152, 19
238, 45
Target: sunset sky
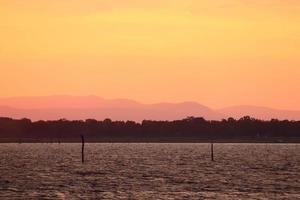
218, 53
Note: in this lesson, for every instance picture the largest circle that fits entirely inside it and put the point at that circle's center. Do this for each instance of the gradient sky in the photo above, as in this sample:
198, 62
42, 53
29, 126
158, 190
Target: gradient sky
218, 53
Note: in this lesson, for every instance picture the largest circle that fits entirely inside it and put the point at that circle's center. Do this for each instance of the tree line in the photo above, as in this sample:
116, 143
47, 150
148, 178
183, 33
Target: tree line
188, 129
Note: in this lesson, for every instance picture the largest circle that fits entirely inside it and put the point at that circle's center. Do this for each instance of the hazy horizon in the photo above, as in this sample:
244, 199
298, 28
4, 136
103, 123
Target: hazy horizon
140, 102
219, 53
84, 107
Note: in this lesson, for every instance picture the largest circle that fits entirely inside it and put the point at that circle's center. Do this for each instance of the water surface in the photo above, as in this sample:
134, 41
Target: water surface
149, 171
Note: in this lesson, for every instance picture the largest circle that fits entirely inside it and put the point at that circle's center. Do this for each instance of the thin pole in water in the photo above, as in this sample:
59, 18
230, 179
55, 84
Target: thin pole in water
82, 148
212, 151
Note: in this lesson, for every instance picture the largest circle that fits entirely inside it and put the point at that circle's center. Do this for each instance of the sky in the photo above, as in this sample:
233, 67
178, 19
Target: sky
219, 53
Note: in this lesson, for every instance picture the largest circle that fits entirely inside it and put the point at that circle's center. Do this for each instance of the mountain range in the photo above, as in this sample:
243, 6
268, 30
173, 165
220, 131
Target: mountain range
94, 107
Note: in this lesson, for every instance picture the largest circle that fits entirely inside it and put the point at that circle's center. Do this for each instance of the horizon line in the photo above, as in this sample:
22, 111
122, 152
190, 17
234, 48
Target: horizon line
152, 103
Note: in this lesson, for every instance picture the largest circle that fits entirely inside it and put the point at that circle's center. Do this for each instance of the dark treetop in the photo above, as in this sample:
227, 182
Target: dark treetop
190, 129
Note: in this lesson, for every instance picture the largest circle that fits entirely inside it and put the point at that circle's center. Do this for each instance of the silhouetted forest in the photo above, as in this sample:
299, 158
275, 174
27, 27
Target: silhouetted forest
190, 129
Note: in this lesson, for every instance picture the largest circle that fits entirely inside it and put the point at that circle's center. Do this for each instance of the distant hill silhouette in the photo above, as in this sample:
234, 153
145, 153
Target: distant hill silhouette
85, 107
65, 101
260, 112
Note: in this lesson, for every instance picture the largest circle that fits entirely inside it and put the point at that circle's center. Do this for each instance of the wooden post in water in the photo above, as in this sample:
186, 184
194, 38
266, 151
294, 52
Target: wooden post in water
212, 151
82, 148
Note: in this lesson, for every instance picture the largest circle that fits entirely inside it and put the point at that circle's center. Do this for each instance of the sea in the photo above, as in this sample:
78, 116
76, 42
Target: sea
149, 171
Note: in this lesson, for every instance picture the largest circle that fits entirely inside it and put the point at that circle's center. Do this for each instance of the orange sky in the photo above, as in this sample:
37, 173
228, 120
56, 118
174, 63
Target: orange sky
219, 53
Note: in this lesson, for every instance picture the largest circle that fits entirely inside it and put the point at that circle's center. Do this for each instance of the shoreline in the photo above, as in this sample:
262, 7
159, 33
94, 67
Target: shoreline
155, 140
